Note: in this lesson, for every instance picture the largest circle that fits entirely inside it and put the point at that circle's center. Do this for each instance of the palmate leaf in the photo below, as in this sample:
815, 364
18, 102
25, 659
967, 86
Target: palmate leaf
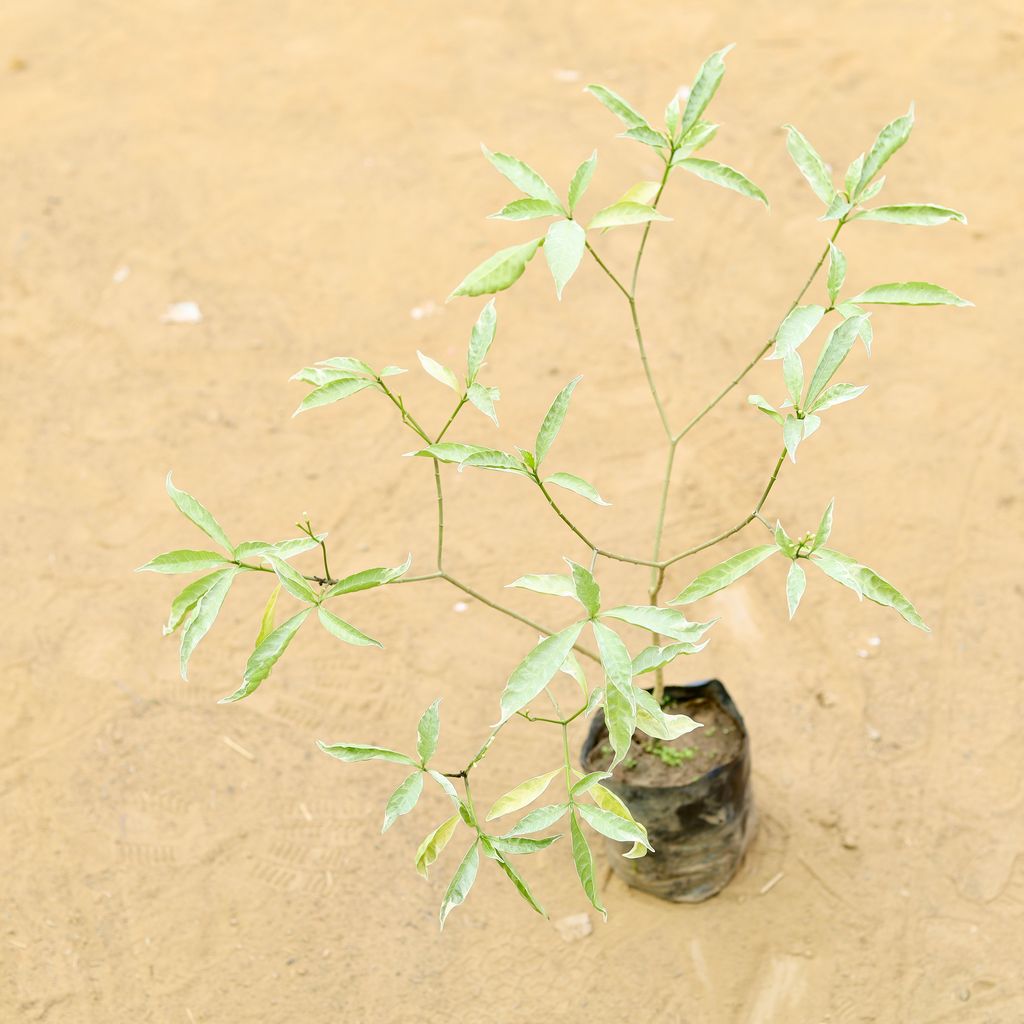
810, 165
724, 175
201, 618
564, 245
651, 719
623, 214
536, 670
194, 510
704, 87
186, 601
462, 882
184, 561
721, 575
522, 795
523, 176
921, 214
553, 420
618, 106
431, 847
266, 655
428, 730
480, 340
910, 293
581, 180
403, 800
499, 271
292, 580
584, 861
577, 485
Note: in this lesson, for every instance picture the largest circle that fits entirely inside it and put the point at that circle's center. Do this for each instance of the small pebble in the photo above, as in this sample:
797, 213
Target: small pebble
826, 699
849, 841
183, 313
873, 734
121, 274
428, 308
460, 606
874, 641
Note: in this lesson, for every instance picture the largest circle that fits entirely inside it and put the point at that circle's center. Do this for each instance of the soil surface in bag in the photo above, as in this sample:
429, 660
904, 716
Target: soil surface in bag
677, 762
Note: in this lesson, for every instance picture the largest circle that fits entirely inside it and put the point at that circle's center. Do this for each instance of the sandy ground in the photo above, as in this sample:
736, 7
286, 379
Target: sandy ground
309, 175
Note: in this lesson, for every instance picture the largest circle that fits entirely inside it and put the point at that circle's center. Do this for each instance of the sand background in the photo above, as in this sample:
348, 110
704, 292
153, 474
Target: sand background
309, 175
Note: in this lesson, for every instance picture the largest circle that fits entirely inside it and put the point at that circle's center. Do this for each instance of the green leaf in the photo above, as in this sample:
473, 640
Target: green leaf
581, 180
762, 403
403, 800
428, 730
563, 249
283, 548
651, 719
704, 87
797, 327
348, 364
810, 165
848, 309
201, 618
792, 435
724, 175
345, 631
672, 115
824, 530
448, 788
585, 587
523, 176
193, 509
536, 820
292, 580
840, 568
666, 621
836, 272
499, 271
577, 485
367, 579
613, 825
922, 214
536, 670
518, 845
553, 419
654, 657
793, 375
546, 583
910, 293
696, 138
852, 177
623, 214
584, 861
520, 883
889, 140
617, 105
334, 392
606, 799
643, 192
784, 542
438, 372
571, 667
835, 350
391, 371
836, 395
618, 666
184, 561
839, 207
484, 398
462, 882
267, 621
620, 719
870, 192
527, 209
351, 752
480, 340
262, 660
588, 781
796, 582
320, 375
450, 451
721, 575
882, 592
490, 458
523, 794
431, 847
190, 596
647, 135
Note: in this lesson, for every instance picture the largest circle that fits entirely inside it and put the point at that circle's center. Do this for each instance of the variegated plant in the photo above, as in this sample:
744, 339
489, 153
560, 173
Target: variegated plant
568, 240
